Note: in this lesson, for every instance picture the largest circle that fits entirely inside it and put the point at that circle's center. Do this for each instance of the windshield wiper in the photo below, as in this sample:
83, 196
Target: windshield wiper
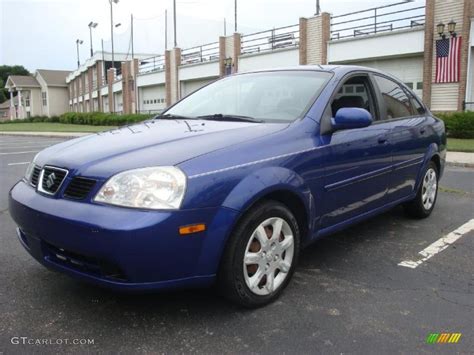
224, 117
174, 117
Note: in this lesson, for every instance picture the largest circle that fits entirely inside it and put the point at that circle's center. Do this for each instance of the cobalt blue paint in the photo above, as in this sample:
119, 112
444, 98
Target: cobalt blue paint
343, 168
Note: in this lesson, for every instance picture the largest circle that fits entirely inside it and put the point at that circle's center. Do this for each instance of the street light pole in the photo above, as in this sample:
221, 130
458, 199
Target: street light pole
131, 29
235, 15
92, 25
78, 42
166, 29
174, 24
111, 2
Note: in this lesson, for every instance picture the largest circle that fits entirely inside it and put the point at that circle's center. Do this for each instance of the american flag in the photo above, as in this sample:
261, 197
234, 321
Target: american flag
448, 61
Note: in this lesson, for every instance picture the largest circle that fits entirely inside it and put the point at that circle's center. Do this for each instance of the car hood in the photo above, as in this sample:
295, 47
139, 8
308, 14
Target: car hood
151, 143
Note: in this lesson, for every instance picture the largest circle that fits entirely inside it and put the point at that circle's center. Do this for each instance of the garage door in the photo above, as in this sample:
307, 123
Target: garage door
190, 86
409, 70
152, 98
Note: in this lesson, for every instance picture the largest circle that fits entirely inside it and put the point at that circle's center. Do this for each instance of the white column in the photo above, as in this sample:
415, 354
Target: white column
20, 106
12, 105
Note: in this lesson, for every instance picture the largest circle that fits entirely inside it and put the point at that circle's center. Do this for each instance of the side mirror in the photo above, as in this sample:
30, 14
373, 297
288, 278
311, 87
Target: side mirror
351, 117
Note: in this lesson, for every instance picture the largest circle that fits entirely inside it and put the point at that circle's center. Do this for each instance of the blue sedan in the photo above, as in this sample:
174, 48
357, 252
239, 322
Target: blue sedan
229, 184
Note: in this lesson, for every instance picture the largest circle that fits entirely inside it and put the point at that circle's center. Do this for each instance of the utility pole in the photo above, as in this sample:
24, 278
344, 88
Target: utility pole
235, 15
225, 28
174, 24
166, 29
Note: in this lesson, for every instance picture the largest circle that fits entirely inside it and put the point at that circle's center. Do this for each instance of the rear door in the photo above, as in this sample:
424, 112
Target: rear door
408, 135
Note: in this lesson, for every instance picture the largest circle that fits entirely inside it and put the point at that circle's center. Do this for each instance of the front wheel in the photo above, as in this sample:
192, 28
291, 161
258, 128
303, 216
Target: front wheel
425, 200
261, 255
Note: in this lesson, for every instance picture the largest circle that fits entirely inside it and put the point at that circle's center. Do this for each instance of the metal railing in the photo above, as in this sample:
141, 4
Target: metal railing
152, 64
277, 38
467, 106
151, 112
386, 18
199, 54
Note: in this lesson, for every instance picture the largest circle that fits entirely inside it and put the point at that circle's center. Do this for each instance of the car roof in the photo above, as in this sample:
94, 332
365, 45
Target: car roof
334, 68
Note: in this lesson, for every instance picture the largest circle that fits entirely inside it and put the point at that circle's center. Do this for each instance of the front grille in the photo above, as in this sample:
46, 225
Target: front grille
51, 179
79, 188
35, 175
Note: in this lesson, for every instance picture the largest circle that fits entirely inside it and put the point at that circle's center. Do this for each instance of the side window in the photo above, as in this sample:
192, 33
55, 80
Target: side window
355, 92
397, 103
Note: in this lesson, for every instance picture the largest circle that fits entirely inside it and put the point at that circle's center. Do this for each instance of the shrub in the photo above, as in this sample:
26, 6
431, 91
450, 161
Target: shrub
101, 119
458, 124
87, 118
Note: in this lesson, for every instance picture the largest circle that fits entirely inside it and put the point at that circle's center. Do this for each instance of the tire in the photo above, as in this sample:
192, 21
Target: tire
422, 206
253, 239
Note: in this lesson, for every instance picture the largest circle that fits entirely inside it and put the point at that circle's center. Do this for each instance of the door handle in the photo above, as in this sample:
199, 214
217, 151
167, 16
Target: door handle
422, 131
382, 140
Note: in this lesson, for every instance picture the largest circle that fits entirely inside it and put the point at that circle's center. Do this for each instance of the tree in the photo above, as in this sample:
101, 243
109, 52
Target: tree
3, 97
5, 72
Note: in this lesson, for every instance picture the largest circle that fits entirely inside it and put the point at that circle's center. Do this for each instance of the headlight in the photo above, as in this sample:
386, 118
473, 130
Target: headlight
151, 188
29, 169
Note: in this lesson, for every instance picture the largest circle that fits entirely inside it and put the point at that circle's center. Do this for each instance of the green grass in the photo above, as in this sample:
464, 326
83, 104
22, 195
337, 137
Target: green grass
50, 127
461, 145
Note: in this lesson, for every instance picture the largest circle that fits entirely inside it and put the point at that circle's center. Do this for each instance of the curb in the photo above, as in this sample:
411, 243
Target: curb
459, 164
47, 134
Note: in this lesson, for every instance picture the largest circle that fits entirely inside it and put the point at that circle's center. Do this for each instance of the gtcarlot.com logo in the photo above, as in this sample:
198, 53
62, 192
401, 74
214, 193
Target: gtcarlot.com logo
50, 341
443, 338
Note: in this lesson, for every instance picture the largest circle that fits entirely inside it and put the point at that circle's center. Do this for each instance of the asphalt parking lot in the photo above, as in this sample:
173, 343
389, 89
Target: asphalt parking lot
349, 295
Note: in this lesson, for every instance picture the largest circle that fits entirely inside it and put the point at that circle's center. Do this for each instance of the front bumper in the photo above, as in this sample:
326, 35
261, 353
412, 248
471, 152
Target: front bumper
119, 247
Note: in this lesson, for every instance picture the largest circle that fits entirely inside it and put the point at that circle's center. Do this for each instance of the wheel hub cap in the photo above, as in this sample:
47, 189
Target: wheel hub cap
429, 188
268, 256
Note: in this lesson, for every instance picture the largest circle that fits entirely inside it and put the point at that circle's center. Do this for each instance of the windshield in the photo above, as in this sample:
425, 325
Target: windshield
277, 96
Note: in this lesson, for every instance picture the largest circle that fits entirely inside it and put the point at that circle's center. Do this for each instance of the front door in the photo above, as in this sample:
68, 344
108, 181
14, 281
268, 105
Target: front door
358, 161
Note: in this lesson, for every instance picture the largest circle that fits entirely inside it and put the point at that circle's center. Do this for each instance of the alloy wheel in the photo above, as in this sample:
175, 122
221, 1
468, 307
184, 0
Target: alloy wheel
268, 256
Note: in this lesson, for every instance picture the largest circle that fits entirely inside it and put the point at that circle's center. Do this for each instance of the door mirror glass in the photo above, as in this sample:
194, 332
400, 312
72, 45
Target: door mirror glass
351, 117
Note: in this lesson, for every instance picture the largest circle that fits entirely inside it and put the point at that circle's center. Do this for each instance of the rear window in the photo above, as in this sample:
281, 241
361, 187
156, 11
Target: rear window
397, 103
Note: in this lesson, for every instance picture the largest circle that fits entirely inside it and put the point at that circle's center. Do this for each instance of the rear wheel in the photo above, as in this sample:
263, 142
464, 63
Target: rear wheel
261, 255
425, 200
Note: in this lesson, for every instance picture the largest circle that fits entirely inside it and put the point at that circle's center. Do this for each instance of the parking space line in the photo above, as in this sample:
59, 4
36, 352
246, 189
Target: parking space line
25, 152
3, 143
26, 146
21, 163
439, 245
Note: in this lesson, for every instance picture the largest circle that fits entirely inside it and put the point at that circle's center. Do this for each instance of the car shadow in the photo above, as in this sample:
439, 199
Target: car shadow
324, 253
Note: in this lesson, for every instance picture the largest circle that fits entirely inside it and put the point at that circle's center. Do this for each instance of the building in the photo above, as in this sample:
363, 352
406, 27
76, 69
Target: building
90, 84
45, 93
399, 38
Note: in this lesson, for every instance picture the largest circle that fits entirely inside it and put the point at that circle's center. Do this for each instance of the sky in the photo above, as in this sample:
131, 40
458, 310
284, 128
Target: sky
41, 34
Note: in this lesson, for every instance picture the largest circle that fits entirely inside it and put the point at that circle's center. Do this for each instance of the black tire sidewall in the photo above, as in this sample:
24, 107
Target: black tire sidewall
240, 238
419, 197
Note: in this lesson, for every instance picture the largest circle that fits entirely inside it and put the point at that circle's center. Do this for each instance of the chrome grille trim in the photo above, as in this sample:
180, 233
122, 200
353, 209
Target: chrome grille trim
41, 180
